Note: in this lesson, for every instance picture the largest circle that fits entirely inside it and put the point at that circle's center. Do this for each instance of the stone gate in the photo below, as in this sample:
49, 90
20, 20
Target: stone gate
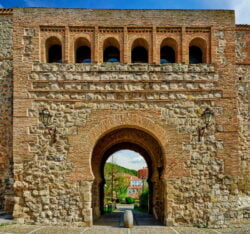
124, 79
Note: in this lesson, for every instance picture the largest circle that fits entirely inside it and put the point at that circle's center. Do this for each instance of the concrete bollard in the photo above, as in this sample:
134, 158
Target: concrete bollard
128, 219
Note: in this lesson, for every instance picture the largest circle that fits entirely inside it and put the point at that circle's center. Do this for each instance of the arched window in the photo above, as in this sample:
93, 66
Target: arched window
139, 53
82, 51
54, 50
197, 51
195, 55
111, 52
168, 51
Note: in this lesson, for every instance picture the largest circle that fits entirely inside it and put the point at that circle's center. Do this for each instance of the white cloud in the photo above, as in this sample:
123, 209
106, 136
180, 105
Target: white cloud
128, 159
242, 10
241, 7
1, 6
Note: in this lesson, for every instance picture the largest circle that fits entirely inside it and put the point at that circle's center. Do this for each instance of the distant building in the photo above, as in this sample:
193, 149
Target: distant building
143, 173
135, 188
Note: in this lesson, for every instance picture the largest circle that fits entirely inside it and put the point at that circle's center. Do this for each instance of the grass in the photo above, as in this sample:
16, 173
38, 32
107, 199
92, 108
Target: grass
6, 224
108, 210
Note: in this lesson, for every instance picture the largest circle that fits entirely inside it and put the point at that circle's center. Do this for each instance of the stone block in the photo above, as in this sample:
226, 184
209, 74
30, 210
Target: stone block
128, 219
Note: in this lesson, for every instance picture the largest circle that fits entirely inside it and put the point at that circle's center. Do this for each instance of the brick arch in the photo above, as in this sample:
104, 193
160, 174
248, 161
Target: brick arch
101, 123
127, 138
201, 43
111, 41
172, 43
44, 45
81, 41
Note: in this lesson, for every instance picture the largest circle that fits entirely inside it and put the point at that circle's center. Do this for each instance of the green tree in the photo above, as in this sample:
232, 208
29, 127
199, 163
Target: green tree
144, 200
116, 184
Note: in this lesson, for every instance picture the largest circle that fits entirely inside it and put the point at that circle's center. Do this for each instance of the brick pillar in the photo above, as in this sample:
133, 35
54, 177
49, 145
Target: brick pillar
96, 47
66, 51
211, 52
125, 46
184, 47
155, 59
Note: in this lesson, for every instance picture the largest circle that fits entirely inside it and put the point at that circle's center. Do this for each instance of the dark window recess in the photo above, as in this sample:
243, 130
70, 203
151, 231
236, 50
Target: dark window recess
139, 55
195, 55
111, 54
167, 55
55, 54
83, 55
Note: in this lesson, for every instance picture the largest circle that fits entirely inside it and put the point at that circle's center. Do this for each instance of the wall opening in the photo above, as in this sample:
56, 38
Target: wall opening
126, 175
82, 51
197, 51
111, 50
168, 51
53, 50
138, 141
139, 53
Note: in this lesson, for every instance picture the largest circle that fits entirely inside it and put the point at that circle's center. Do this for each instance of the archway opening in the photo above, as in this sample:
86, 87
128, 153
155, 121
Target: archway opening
167, 55
168, 51
53, 50
197, 51
126, 186
195, 55
111, 50
111, 55
82, 51
139, 53
140, 142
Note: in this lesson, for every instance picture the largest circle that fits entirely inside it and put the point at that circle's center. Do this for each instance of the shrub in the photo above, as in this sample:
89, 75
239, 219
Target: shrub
144, 200
129, 200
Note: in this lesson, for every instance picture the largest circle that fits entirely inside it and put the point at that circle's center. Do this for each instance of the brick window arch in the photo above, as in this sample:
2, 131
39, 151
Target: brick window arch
197, 51
53, 50
82, 50
139, 52
168, 51
111, 50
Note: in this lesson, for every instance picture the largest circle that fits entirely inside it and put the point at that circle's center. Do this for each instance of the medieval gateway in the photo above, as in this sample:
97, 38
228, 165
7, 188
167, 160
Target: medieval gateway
77, 85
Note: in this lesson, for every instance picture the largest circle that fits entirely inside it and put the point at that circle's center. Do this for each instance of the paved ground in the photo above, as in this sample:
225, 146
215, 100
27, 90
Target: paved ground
113, 224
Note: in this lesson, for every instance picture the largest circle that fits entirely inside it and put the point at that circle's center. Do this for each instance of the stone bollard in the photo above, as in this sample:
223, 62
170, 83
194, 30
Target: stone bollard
128, 219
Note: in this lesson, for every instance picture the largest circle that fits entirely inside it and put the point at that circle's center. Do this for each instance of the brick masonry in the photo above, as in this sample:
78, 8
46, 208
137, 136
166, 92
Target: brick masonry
152, 108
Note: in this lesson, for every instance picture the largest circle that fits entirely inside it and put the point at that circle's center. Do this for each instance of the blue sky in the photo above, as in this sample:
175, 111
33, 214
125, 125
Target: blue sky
242, 7
128, 159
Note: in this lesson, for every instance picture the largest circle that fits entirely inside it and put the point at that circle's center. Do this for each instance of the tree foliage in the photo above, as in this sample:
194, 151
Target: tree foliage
116, 184
118, 169
144, 200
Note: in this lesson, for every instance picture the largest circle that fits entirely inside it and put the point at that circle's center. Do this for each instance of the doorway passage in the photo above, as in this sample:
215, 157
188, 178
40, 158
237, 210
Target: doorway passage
139, 142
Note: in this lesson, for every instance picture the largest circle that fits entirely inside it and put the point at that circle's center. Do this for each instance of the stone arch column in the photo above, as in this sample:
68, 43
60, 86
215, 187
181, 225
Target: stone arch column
133, 139
101, 123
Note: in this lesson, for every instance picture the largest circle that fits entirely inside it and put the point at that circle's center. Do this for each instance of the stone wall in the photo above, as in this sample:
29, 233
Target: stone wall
6, 89
198, 191
243, 98
200, 182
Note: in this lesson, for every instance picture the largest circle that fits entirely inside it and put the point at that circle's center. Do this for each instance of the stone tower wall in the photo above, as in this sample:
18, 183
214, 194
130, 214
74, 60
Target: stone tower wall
243, 98
201, 182
6, 109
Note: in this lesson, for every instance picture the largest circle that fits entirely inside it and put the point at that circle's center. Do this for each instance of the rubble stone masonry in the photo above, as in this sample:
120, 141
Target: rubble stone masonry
98, 108
6, 108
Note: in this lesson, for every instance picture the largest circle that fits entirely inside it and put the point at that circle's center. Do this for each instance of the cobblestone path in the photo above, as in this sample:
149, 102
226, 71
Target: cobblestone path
113, 224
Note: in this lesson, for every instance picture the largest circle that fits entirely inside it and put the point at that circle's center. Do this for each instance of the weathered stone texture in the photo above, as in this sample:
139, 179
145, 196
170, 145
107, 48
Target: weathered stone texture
152, 108
243, 97
6, 89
